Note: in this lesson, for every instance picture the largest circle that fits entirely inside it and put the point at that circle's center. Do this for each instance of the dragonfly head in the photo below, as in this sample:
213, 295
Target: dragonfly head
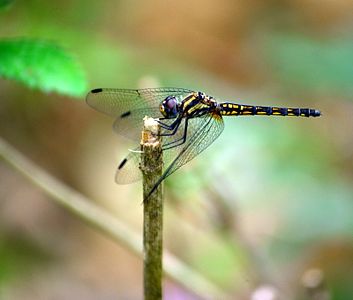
169, 107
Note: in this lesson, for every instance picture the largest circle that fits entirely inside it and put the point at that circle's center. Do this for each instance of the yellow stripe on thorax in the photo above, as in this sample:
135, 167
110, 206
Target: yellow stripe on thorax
189, 108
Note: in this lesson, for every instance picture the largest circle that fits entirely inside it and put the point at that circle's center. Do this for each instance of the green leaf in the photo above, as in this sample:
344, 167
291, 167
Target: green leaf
43, 65
5, 4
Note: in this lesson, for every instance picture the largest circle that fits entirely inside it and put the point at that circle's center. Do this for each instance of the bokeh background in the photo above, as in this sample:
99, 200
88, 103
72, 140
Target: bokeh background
266, 210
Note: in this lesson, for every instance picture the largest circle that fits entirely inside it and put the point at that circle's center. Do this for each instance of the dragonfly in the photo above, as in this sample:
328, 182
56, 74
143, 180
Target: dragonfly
190, 121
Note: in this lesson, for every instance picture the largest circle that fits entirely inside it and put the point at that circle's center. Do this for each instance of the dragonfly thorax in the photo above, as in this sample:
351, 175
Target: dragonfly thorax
201, 96
169, 107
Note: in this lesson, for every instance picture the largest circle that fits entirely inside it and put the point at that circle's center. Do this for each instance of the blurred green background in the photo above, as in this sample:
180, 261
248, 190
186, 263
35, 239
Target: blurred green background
268, 208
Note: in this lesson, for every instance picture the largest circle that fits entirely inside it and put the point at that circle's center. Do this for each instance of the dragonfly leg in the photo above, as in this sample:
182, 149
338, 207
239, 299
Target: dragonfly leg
177, 142
174, 127
164, 125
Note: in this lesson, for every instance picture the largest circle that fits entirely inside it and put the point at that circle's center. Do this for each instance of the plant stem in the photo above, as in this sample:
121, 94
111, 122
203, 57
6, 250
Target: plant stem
151, 167
86, 210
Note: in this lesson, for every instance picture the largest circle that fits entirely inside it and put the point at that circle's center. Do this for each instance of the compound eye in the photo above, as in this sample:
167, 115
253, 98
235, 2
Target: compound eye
169, 107
171, 102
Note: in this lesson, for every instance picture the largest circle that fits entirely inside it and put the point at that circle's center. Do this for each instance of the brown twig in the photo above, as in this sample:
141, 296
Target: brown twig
86, 210
151, 167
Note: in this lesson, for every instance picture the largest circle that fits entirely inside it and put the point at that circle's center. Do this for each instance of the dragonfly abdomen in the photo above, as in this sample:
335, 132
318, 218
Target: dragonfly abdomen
232, 109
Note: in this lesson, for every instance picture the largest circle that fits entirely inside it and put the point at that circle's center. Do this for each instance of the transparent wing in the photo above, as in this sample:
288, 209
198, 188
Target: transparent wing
201, 132
205, 129
128, 170
129, 106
